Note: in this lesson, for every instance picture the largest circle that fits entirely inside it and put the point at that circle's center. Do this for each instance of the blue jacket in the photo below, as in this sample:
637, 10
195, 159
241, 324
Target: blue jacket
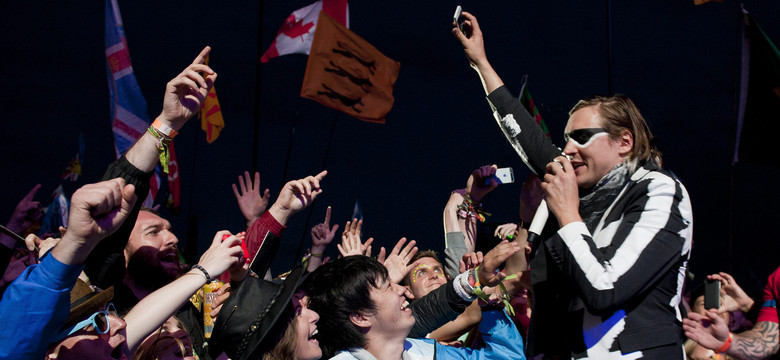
501, 337
35, 307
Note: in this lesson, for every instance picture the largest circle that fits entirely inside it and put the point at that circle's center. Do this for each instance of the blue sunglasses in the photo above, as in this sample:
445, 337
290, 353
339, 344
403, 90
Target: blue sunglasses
98, 320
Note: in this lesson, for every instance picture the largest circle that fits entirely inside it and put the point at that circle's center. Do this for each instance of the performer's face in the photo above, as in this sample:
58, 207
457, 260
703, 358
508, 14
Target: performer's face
592, 157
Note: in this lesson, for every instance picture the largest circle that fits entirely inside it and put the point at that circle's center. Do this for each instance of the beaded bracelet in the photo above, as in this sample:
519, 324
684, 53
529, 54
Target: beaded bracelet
206, 273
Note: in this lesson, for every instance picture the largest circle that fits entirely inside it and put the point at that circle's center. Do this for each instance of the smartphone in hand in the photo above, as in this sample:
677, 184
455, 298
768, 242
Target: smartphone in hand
458, 19
502, 176
711, 294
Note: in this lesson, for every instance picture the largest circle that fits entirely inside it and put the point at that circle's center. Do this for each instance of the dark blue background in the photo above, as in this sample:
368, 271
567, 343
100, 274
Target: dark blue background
679, 62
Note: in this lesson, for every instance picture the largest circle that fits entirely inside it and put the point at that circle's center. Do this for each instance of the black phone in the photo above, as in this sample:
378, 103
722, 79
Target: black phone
711, 294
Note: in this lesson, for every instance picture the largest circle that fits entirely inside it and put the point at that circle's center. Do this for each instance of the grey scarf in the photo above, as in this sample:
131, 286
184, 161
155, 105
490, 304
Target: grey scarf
597, 200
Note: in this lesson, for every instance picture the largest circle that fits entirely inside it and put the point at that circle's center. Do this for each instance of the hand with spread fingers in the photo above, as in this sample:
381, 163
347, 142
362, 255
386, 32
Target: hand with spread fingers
350, 240
251, 203
398, 261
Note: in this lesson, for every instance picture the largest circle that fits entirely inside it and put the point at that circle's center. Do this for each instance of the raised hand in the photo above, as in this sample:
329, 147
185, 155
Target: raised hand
350, 240
96, 211
475, 186
26, 212
397, 262
250, 202
222, 254
741, 300
186, 92
295, 196
322, 234
488, 272
473, 44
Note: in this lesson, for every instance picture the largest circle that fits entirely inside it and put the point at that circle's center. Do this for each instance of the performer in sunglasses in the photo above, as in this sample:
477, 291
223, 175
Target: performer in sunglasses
608, 282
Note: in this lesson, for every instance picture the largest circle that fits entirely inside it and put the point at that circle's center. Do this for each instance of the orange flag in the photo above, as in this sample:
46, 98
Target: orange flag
211, 115
346, 73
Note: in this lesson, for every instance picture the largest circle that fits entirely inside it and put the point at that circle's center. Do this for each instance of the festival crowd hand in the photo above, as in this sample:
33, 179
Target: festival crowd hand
322, 234
250, 202
26, 212
397, 263
97, 210
736, 298
222, 254
350, 240
488, 272
34, 242
503, 231
470, 260
295, 196
186, 92
475, 185
709, 330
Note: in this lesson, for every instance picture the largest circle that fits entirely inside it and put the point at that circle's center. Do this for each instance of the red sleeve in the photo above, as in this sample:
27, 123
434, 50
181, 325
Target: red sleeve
256, 233
768, 310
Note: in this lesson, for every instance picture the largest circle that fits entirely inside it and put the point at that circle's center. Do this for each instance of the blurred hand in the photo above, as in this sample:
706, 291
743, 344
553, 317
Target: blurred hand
26, 212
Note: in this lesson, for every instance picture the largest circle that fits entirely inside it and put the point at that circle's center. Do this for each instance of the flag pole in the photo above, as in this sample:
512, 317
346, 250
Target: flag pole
256, 128
609, 47
191, 248
311, 208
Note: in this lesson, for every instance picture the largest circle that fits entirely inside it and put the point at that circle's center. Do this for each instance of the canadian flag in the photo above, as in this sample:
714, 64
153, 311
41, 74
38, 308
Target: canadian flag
296, 34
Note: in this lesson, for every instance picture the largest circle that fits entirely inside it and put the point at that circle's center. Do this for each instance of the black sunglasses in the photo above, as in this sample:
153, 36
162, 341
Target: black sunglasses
584, 137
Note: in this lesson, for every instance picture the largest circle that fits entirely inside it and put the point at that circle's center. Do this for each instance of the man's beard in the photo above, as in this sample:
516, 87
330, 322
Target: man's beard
149, 271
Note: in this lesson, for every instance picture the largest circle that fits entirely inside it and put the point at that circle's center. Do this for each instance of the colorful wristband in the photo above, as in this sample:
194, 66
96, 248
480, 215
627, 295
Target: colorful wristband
165, 129
726, 345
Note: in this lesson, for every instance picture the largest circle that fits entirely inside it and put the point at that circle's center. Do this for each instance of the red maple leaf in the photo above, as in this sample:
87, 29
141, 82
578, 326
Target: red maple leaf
294, 28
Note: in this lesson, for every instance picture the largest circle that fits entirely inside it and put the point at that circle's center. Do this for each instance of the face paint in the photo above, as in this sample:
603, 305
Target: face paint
584, 137
421, 270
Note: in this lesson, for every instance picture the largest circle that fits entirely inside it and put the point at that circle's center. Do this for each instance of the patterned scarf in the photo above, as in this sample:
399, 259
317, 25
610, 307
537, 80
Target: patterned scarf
598, 199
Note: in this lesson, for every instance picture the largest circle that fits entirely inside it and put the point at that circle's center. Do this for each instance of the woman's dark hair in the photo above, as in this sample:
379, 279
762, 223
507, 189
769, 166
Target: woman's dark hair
337, 290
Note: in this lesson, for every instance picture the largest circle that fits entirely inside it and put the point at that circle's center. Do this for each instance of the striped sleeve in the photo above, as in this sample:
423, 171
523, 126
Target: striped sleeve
642, 244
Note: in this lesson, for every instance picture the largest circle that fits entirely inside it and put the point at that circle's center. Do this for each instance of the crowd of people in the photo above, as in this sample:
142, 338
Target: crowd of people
605, 280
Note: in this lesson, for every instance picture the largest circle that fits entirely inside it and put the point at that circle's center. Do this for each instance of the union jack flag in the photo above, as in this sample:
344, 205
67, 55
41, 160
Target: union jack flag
128, 106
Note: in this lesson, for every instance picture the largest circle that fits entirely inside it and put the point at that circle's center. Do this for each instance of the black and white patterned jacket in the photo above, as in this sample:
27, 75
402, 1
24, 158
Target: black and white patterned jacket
612, 293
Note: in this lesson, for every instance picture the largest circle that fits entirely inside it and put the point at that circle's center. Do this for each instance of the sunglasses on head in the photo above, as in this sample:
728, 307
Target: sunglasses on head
98, 320
584, 137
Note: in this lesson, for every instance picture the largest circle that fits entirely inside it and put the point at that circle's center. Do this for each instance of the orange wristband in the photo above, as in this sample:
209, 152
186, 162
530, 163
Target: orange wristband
165, 129
726, 345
